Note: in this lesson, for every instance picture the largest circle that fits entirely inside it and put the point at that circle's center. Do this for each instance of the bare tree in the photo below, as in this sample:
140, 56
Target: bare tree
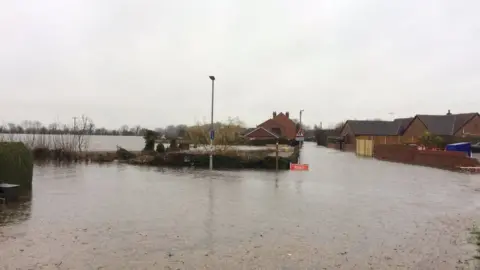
137, 130
84, 127
123, 130
160, 131
227, 134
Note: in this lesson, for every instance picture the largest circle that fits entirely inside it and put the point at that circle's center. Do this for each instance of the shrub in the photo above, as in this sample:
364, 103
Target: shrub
173, 144
150, 136
160, 148
16, 164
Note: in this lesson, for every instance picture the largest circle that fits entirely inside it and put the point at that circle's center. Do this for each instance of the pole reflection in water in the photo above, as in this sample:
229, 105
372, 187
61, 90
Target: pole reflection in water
209, 219
298, 183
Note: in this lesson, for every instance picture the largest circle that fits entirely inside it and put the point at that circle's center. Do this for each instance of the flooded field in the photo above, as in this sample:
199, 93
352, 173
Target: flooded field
94, 142
346, 213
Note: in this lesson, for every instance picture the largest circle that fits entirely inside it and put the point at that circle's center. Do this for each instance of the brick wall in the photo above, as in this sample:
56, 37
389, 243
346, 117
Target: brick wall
350, 147
346, 147
333, 145
410, 155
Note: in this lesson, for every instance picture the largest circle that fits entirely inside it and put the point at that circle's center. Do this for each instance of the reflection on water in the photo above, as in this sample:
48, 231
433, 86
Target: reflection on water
15, 212
345, 213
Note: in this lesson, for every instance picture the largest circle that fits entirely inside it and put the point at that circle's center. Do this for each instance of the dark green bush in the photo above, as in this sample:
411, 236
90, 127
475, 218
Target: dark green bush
16, 164
160, 148
149, 136
123, 154
173, 144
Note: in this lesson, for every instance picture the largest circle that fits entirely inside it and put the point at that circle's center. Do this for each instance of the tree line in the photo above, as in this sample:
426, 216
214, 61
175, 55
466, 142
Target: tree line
83, 125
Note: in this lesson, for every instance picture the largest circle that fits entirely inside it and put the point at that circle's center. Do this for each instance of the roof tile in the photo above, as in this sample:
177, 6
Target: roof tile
445, 125
373, 127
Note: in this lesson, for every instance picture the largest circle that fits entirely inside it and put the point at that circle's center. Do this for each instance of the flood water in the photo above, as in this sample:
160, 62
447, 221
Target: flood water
345, 213
94, 142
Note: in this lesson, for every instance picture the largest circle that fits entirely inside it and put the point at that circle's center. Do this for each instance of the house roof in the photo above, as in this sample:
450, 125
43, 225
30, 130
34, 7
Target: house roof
445, 124
286, 123
402, 123
373, 127
437, 124
261, 128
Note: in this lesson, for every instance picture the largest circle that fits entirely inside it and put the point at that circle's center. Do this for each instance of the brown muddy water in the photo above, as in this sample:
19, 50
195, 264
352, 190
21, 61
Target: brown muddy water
346, 213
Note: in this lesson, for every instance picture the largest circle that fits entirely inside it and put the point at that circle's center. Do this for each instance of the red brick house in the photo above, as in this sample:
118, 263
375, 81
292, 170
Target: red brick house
447, 126
279, 126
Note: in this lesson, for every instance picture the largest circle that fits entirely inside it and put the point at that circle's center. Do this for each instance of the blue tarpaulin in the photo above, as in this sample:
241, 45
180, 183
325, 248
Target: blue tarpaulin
465, 147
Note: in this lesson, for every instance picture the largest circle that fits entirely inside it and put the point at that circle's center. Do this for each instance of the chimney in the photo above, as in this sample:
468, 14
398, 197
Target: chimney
449, 113
274, 114
287, 114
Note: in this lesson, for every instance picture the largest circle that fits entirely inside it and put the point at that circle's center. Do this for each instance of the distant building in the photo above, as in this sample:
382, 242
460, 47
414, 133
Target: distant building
279, 126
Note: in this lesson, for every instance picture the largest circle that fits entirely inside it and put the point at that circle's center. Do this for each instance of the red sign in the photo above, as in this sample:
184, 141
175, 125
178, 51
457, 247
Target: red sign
298, 167
300, 133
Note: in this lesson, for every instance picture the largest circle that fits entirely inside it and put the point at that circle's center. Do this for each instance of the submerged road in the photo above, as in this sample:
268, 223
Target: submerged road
345, 213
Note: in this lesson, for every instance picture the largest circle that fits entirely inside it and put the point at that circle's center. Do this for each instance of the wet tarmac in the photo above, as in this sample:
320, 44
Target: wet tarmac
345, 213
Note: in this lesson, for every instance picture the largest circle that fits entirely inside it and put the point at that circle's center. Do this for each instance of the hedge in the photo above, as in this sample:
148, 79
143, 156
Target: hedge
16, 164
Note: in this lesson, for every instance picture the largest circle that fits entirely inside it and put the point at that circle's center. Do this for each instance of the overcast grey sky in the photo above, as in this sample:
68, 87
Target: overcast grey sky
147, 62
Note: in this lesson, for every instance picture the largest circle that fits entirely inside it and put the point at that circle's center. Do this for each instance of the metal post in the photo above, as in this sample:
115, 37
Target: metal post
301, 111
301, 142
211, 123
276, 157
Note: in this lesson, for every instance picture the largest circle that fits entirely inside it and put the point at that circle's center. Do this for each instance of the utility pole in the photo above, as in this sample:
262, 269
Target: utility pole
212, 130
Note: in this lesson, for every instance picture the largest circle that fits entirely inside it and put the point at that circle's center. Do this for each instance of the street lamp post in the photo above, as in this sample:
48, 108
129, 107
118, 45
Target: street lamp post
301, 111
212, 132
74, 124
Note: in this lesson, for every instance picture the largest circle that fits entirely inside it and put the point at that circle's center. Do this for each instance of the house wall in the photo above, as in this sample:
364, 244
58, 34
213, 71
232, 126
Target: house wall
471, 128
271, 124
386, 139
414, 131
350, 140
348, 134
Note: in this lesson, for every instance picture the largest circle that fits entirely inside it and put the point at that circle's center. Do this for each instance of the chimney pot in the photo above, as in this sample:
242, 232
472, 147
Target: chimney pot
287, 114
449, 113
274, 114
